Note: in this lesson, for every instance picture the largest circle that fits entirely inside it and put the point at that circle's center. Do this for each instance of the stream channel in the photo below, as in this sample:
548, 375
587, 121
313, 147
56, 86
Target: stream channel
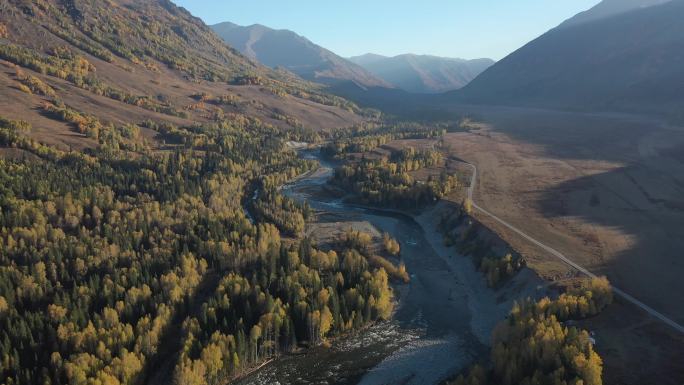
441, 323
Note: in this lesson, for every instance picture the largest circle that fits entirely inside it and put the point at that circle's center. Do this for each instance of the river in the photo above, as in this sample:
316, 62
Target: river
441, 325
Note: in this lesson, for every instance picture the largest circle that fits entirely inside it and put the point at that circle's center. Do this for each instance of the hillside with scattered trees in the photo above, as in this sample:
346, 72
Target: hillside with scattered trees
126, 62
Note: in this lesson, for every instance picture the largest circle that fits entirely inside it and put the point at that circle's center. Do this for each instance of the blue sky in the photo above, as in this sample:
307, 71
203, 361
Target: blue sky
456, 28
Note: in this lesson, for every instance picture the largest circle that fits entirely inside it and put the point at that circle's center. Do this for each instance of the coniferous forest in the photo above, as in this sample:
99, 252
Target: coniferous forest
101, 252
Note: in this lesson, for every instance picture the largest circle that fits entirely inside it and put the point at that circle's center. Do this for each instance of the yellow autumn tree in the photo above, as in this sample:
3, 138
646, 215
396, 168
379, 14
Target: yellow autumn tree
326, 322
391, 245
190, 373
212, 357
4, 307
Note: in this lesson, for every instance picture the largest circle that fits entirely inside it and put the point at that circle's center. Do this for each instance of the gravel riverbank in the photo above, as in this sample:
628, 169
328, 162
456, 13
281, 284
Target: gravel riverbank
444, 317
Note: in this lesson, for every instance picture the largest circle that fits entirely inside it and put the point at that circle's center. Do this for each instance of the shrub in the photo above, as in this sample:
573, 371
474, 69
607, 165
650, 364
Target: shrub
397, 272
24, 88
499, 269
391, 245
36, 85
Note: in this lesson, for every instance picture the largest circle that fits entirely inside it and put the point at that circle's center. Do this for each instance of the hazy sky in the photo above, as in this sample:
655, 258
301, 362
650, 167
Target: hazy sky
456, 28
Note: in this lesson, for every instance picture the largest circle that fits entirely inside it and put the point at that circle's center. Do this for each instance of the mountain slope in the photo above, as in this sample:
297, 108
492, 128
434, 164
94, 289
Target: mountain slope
609, 8
283, 48
137, 60
368, 59
423, 73
630, 62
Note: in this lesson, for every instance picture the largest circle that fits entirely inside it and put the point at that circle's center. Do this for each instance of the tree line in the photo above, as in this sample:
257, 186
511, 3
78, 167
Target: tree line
366, 137
388, 183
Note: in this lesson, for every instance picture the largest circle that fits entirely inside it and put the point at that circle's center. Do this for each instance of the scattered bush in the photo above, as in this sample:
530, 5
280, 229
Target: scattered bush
36, 85
498, 270
397, 272
25, 89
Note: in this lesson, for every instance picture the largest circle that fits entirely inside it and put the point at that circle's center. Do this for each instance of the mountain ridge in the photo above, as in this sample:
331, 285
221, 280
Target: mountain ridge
289, 50
628, 62
423, 73
608, 8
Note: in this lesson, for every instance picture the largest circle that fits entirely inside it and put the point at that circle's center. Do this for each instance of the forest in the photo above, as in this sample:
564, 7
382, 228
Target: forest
296, 294
289, 216
103, 252
107, 258
388, 183
366, 137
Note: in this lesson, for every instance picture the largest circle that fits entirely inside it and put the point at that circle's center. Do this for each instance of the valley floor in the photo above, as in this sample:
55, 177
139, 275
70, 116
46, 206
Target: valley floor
606, 191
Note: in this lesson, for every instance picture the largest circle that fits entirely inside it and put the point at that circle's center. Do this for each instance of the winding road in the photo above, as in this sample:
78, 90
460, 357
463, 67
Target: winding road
654, 313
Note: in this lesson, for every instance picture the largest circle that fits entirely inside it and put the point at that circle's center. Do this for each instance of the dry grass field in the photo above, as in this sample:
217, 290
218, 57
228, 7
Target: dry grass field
605, 190
252, 101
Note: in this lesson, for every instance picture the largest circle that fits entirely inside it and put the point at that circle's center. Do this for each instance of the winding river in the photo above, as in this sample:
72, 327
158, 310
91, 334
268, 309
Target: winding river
442, 322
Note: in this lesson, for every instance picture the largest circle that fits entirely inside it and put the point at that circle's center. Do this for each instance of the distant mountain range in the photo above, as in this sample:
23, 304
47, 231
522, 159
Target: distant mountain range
423, 73
412, 73
622, 55
286, 49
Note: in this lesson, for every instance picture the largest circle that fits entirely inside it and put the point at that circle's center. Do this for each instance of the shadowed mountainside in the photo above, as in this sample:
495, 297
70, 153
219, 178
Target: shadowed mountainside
629, 62
609, 8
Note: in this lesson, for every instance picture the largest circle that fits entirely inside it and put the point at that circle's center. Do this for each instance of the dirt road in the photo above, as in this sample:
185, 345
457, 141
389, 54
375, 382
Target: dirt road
567, 260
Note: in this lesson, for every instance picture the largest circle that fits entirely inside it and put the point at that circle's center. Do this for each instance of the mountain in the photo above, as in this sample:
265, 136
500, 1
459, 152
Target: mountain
368, 59
286, 49
139, 60
629, 61
423, 73
609, 8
